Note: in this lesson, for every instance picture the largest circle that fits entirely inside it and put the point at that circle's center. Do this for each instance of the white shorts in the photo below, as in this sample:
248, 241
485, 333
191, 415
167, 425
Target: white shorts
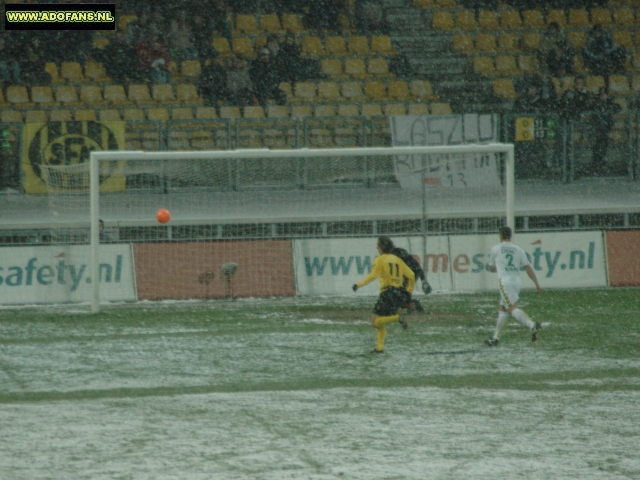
509, 290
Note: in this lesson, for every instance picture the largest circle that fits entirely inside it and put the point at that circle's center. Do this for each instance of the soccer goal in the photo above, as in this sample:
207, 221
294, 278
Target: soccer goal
264, 223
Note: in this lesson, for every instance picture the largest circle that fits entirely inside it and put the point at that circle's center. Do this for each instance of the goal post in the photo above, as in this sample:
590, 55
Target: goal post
262, 200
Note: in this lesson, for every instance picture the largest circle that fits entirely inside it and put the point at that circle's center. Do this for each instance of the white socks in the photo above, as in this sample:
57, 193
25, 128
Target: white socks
523, 318
502, 318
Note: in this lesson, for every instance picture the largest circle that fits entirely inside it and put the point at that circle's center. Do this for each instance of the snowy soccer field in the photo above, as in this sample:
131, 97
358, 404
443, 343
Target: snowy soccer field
287, 389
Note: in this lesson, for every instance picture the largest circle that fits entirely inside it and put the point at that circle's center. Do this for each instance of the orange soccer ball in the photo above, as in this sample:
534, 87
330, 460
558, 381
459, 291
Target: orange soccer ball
163, 215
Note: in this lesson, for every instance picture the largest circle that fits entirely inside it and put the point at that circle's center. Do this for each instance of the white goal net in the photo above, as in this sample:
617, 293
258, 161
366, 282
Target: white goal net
262, 223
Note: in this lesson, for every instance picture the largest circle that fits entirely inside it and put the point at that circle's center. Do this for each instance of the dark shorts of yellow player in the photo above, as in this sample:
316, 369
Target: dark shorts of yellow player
390, 301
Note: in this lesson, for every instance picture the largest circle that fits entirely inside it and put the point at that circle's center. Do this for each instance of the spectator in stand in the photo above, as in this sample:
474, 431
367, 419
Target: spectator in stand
575, 101
9, 66
32, 60
601, 55
323, 15
264, 76
548, 91
217, 11
153, 56
530, 101
9, 162
239, 84
370, 18
602, 119
119, 58
181, 39
554, 53
292, 66
213, 81
530, 155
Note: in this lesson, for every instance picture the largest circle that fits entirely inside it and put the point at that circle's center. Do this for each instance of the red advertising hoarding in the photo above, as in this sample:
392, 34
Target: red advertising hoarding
623, 257
185, 270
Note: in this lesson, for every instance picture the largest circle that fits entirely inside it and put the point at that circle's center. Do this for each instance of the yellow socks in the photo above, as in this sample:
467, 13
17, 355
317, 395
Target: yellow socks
381, 323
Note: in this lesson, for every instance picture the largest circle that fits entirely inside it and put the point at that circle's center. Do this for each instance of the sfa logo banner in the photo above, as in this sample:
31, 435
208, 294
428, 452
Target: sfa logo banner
455, 263
62, 274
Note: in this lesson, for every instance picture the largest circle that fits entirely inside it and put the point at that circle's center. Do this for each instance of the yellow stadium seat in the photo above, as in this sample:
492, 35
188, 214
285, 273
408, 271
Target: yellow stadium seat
594, 82
508, 42
85, 115
488, 20
305, 90
352, 90
228, 111
506, 65
381, 44
531, 41
533, 19
635, 61
635, 83
567, 83
422, 89
277, 111
355, 67
395, 109
191, 69
10, 116
253, 111
91, 94
556, 15
504, 88
71, 71
623, 16
300, 111
66, 94
60, 116
163, 93
292, 22
486, 42
222, 46
466, 20
331, 67
418, 109
17, 94
108, 114
576, 39
528, 63
312, 45
398, 89
623, 38
348, 110
440, 108
116, 95
246, 23
42, 95
328, 91
243, 46
359, 45
52, 69
511, 20
619, 85
442, 20
324, 111
601, 16
182, 113
178, 140
375, 90
139, 93
378, 66
286, 88
35, 116
579, 18
187, 94
270, 23
462, 42
95, 71
124, 20
158, 114
371, 110
133, 114
336, 45
483, 65
206, 113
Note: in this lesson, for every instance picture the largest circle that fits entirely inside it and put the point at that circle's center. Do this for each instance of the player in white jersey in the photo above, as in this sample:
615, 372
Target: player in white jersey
507, 259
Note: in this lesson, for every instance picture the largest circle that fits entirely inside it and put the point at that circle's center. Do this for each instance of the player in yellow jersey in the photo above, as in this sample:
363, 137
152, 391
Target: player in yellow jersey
392, 272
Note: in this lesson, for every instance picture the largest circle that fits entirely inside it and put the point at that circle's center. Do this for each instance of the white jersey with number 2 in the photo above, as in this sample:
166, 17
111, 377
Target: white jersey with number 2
508, 260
